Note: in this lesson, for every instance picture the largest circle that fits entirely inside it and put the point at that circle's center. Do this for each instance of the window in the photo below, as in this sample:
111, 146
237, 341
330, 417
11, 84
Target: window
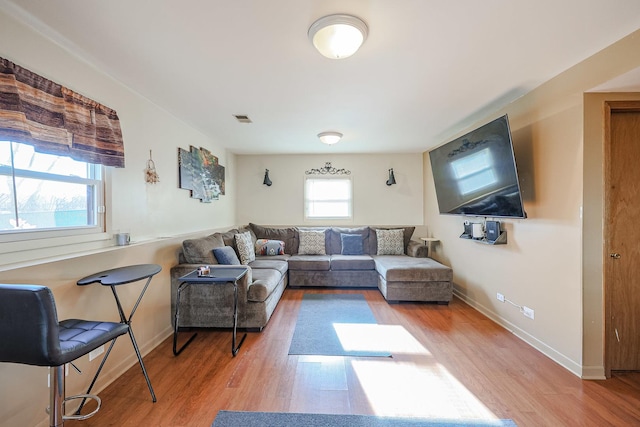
45, 192
327, 198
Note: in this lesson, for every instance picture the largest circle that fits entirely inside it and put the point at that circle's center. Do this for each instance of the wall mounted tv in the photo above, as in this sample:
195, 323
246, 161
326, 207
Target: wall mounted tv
476, 174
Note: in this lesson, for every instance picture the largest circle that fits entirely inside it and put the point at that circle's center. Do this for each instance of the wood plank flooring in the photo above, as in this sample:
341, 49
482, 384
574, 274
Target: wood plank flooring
448, 362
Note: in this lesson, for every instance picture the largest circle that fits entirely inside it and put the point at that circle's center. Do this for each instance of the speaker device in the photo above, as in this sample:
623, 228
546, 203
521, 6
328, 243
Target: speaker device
467, 230
493, 230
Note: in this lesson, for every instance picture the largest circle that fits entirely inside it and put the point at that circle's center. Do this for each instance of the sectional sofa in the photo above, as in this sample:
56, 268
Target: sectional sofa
360, 257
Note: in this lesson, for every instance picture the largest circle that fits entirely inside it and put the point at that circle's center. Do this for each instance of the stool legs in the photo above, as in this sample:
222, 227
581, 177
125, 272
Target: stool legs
56, 396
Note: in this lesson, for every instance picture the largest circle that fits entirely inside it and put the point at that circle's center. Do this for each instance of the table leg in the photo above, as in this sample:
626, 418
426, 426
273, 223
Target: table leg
176, 321
133, 338
234, 349
144, 370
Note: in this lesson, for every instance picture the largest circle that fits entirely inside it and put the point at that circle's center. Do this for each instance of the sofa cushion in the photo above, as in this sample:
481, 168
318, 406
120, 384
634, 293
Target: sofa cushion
351, 244
264, 283
245, 247
288, 235
335, 238
200, 251
352, 262
228, 237
270, 263
390, 242
312, 242
310, 262
268, 247
226, 256
408, 269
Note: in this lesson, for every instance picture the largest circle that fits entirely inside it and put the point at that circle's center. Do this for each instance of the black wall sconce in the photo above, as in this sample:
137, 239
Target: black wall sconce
266, 180
392, 178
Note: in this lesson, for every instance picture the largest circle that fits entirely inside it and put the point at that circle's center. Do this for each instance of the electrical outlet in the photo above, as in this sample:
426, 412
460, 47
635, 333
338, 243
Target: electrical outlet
95, 353
500, 297
528, 312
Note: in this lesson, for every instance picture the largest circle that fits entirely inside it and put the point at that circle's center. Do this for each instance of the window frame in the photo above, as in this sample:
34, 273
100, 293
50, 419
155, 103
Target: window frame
59, 235
307, 201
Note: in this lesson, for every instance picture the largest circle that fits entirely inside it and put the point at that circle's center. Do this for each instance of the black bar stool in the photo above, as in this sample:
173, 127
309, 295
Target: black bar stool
31, 334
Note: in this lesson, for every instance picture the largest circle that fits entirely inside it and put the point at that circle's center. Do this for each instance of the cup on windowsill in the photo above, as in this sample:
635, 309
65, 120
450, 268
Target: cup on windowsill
122, 239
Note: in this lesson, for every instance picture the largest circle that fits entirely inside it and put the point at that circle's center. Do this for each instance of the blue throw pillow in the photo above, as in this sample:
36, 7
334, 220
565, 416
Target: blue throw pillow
351, 244
226, 256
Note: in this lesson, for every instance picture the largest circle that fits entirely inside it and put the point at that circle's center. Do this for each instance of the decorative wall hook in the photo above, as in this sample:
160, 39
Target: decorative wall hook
392, 178
267, 180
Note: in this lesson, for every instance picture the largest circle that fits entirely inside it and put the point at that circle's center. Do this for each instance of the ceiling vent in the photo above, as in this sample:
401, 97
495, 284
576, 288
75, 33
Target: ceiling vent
242, 118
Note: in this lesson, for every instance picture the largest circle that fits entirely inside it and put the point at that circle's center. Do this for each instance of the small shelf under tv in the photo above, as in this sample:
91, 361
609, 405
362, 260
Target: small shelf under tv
469, 232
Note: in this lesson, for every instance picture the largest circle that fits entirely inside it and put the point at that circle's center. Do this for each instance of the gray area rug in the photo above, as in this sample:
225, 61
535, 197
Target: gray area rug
280, 419
336, 325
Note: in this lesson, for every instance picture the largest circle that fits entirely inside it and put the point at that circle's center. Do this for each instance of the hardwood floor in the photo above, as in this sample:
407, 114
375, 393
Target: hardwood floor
448, 362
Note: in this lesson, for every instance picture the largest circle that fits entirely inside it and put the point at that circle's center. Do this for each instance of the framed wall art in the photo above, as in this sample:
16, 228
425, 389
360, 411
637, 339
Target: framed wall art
200, 172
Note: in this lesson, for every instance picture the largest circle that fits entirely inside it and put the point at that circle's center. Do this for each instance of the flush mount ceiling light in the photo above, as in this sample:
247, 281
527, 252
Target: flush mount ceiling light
330, 138
338, 36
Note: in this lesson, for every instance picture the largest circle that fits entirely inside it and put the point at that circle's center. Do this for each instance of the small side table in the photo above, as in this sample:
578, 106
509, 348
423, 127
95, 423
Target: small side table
216, 276
429, 242
122, 276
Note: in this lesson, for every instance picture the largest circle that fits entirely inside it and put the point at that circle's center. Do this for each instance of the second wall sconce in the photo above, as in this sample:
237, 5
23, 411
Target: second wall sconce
267, 180
392, 178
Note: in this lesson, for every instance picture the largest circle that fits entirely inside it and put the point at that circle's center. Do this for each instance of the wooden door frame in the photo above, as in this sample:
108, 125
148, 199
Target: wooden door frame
610, 107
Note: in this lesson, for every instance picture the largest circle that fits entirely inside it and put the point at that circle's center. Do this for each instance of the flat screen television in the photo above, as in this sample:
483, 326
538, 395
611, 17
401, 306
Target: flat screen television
476, 174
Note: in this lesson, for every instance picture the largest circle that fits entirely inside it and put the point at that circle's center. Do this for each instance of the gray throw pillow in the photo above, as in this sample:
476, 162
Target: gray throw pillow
351, 244
312, 242
245, 247
226, 256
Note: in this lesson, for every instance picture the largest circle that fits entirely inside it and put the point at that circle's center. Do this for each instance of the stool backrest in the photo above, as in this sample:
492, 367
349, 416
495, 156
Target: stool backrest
28, 325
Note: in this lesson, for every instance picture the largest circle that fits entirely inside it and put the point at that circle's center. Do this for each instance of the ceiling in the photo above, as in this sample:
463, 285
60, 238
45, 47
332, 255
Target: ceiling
428, 69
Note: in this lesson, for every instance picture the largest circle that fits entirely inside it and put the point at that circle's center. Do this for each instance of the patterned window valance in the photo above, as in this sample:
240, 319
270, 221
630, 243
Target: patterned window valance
55, 119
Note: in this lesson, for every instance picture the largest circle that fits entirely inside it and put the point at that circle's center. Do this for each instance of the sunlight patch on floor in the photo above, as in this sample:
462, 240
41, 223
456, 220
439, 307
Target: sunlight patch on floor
407, 389
381, 338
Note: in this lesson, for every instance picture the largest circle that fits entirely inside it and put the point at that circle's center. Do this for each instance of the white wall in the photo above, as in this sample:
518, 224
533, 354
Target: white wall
375, 203
149, 212
543, 265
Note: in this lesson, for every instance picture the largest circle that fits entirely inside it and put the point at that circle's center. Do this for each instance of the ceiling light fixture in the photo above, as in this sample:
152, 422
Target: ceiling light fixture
330, 138
338, 36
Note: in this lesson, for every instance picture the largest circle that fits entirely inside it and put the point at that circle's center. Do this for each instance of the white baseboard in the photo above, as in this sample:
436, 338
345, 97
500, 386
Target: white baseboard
593, 373
543, 348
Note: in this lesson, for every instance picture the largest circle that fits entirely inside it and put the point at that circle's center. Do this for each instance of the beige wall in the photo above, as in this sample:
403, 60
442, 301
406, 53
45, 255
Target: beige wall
374, 202
552, 262
149, 212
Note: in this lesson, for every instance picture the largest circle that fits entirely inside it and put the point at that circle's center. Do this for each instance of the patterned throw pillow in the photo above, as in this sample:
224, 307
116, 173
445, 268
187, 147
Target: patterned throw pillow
226, 256
245, 247
311, 242
351, 244
390, 242
269, 247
